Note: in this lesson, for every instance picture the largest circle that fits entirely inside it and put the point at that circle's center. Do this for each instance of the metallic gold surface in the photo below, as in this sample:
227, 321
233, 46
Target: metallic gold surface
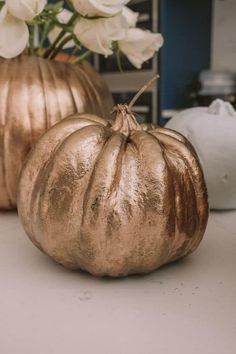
34, 95
113, 198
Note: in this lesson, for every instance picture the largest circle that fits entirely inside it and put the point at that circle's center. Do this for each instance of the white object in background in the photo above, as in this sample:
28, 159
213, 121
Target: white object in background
212, 131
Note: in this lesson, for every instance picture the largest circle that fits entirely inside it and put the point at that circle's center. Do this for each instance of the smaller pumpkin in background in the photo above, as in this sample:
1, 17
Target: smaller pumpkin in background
35, 94
212, 131
113, 198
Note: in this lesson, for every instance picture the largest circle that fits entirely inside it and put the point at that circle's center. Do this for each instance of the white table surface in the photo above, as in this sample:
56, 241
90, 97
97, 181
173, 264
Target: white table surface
187, 307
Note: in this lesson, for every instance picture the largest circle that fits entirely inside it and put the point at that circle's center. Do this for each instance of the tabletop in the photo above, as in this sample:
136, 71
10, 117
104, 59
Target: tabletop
185, 307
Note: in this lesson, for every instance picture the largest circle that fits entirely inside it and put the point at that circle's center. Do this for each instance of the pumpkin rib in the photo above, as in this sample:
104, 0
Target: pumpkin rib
54, 80
68, 83
3, 143
98, 196
178, 136
197, 181
78, 95
44, 191
29, 113
7, 136
43, 153
91, 117
171, 141
185, 223
41, 75
91, 85
162, 189
87, 86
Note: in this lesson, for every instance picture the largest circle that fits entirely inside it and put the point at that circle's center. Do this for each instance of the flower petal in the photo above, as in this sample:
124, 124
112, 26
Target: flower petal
140, 45
98, 35
14, 35
130, 16
25, 9
105, 8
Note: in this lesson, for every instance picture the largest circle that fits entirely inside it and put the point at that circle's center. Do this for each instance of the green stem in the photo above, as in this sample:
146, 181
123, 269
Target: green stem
83, 57
60, 46
50, 50
31, 39
118, 60
46, 29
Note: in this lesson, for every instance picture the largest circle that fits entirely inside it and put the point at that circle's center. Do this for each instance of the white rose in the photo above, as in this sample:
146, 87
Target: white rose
104, 8
63, 17
98, 35
14, 35
25, 9
130, 16
139, 45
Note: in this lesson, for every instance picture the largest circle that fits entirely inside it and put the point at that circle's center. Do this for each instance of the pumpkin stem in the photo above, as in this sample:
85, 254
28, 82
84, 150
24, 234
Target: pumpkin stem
141, 91
125, 121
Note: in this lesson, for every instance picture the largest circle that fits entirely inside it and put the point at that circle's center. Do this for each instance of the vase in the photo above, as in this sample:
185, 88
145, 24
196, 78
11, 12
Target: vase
35, 94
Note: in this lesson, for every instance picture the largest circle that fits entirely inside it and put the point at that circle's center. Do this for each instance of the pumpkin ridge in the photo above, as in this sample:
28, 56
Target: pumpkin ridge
10, 82
169, 132
84, 68
47, 169
117, 174
168, 164
181, 187
29, 113
95, 201
72, 92
83, 90
79, 71
92, 177
57, 88
198, 184
46, 115
90, 117
161, 205
3, 127
33, 180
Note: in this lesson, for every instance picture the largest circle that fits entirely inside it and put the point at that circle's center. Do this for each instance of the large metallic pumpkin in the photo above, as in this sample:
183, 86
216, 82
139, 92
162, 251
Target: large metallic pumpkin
34, 95
113, 198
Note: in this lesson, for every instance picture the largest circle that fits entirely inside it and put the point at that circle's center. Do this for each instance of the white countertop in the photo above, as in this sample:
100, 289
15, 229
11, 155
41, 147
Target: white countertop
187, 307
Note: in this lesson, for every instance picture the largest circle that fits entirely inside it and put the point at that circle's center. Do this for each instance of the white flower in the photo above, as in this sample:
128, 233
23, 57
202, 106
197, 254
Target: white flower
14, 35
139, 45
63, 17
98, 35
25, 9
104, 8
130, 16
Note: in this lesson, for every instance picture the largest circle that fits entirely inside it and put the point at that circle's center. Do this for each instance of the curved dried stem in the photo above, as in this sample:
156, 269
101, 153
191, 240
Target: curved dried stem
141, 91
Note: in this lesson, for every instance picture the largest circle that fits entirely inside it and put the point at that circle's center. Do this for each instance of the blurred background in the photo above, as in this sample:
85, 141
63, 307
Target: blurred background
196, 64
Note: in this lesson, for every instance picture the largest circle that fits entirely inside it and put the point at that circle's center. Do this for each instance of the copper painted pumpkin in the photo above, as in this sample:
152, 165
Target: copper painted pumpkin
34, 95
113, 198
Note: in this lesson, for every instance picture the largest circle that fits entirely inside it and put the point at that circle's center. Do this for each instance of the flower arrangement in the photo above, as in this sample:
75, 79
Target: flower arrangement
44, 29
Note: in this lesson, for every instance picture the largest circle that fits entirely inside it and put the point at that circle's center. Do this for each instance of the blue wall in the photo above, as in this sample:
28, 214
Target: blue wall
186, 27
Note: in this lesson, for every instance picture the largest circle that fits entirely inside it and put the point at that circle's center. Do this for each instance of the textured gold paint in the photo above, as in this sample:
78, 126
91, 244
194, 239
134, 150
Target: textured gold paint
113, 198
34, 95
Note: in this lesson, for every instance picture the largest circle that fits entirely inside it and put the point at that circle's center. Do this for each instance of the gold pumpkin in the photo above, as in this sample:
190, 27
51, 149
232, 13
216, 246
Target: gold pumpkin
113, 198
34, 95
